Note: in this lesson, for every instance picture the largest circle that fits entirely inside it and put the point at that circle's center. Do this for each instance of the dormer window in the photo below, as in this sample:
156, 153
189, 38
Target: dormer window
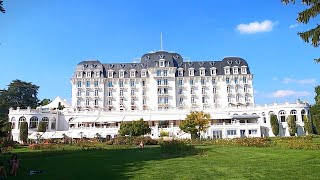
235, 70
161, 63
97, 74
110, 74
191, 72
79, 74
143, 73
132, 73
213, 71
88, 74
202, 72
243, 70
121, 74
227, 70
180, 72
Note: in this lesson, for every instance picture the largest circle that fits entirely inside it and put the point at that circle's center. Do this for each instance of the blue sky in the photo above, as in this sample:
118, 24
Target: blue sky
43, 41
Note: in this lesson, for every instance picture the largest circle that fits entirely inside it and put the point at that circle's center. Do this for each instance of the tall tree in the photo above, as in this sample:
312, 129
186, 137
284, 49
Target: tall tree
134, 128
42, 127
195, 123
21, 94
313, 10
24, 132
1, 7
274, 124
292, 125
315, 111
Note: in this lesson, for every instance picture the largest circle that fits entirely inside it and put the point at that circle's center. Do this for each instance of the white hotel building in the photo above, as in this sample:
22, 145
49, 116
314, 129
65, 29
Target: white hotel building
162, 89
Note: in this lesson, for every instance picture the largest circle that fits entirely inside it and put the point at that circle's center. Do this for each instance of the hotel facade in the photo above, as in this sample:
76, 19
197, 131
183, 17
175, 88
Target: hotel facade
162, 89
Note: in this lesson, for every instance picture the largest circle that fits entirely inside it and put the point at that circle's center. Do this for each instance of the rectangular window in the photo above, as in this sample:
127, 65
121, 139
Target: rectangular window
232, 132
158, 72
203, 99
132, 92
158, 82
228, 90
96, 93
180, 73
121, 74
79, 84
203, 81
191, 82
132, 74
79, 74
97, 73
236, 80
165, 91
110, 84
166, 100
79, 93
87, 102
244, 79
110, 74
121, 92
143, 82
214, 90
235, 70
180, 91
87, 93
202, 72
203, 90
143, 92
228, 80
180, 100
78, 102
109, 93
213, 72
214, 81
192, 100
192, 91
87, 83
227, 71
96, 102
144, 101
120, 83
96, 83
165, 73
180, 82
165, 81
132, 83
253, 131
143, 74
191, 72
88, 74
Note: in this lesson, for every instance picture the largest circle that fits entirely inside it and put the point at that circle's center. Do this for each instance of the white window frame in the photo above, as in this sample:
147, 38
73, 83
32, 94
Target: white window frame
213, 71
191, 72
235, 70
132, 73
202, 71
110, 74
244, 70
143, 73
180, 72
227, 70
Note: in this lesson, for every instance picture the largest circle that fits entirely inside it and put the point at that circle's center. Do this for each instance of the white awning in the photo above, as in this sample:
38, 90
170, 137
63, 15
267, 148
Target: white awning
84, 119
59, 134
136, 117
104, 119
34, 135
47, 135
219, 116
55, 103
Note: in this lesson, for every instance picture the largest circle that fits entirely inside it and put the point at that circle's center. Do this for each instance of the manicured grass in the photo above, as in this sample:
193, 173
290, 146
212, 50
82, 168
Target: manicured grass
216, 162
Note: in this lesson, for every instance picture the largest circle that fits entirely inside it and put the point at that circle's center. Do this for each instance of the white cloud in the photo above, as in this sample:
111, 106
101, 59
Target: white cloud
299, 81
286, 93
293, 26
255, 27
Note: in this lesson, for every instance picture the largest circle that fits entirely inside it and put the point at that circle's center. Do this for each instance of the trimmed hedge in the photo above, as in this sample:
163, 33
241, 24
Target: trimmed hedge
124, 140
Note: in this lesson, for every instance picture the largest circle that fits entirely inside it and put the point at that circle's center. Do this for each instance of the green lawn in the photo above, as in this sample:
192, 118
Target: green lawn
217, 162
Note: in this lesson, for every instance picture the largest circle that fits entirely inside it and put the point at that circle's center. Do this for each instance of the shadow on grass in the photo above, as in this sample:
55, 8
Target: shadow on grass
89, 164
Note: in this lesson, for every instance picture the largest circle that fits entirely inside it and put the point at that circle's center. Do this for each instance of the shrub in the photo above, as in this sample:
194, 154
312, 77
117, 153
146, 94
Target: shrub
134, 128
46, 147
274, 124
307, 125
125, 140
164, 134
24, 132
177, 147
292, 125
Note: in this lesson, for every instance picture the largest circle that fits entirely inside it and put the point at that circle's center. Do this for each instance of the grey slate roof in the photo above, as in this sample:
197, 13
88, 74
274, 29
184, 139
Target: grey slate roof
175, 60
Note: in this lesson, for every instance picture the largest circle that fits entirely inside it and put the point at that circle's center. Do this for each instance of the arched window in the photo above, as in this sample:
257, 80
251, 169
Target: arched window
53, 123
303, 112
46, 120
282, 115
21, 119
33, 122
294, 114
